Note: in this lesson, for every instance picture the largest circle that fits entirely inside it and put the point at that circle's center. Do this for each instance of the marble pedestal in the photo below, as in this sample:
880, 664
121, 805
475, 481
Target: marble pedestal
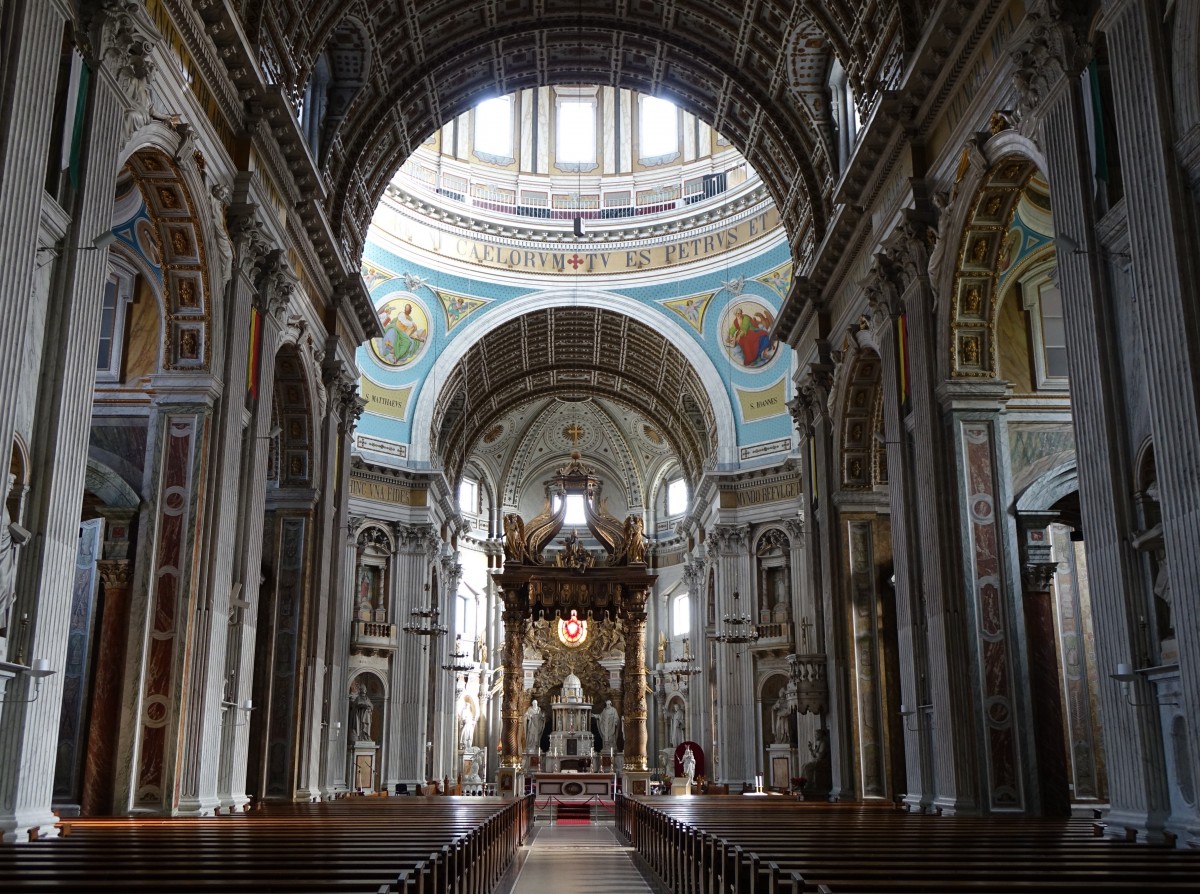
635, 782
780, 763
362, 765
510, 782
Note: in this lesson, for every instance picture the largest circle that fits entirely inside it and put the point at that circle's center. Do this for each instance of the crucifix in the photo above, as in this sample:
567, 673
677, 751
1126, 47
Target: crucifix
805, 624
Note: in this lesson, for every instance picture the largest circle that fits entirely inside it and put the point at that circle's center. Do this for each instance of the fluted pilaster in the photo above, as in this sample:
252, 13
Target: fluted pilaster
1163, 242
59, 443
1132, 739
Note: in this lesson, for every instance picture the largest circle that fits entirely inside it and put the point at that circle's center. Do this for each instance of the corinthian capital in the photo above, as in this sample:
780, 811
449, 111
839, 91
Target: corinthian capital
123, 38
276, 282
413, 538
1055, 47
731, 539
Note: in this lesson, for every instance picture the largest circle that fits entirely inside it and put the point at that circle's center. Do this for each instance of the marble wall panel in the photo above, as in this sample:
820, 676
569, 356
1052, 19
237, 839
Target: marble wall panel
993, 625
69, 763
175, 507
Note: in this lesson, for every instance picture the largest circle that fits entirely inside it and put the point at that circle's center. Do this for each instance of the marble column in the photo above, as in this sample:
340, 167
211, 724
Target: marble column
737, 749
23, 153
270, 296
946, 620
340, 607
100, 761
63, 378
408, 732
198, 789
634, 681
1049, 57
810, 411
885, 334
698, 722
1053, 775
1163, 243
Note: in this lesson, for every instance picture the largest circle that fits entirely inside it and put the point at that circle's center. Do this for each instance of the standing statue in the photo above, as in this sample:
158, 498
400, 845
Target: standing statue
468, 713
606, 722
689, 765
780, 714
12, 537
675, 725
635, 546
535, 719
361, 703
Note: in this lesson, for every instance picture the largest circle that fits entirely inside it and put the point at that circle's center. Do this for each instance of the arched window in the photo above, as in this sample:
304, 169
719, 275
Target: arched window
1041, 297
844, 113
468, 496
677, 497
681, 615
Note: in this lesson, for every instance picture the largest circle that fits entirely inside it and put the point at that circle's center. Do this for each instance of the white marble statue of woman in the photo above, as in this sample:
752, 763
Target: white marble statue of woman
468, 713
606, 722
535, 719
689, 765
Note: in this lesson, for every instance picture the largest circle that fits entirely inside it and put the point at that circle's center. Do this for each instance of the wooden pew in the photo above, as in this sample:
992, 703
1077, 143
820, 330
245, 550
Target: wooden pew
372, 846
737, 845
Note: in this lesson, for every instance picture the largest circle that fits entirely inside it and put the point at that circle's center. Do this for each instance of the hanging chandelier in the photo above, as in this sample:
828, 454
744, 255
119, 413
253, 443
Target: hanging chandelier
424, 621
685, 666
738, 628
460, 661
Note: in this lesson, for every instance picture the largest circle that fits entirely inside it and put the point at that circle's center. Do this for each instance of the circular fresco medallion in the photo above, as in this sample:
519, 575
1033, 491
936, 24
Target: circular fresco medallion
405, 324
746, 333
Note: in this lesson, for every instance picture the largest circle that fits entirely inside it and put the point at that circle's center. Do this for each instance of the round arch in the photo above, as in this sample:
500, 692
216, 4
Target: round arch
180, 228
675, 333
992, 178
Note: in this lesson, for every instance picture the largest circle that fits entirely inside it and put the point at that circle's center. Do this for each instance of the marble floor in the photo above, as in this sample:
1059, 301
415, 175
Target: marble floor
582, 859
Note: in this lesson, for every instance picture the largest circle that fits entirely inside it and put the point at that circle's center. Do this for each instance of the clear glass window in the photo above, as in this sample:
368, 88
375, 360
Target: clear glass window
576, 132
658, 128
468, 496
677, 497
494, 127
681, 615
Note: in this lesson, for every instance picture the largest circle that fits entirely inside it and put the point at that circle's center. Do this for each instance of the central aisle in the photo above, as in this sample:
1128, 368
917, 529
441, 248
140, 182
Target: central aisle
578, 860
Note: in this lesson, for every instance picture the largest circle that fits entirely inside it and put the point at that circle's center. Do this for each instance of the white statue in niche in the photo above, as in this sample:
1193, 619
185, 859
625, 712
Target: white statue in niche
468, 713
535, 720
675, 724
360, 702
606, 722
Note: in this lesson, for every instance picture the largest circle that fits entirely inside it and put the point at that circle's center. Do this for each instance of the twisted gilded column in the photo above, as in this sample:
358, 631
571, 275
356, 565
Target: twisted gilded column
634, 628
514, 626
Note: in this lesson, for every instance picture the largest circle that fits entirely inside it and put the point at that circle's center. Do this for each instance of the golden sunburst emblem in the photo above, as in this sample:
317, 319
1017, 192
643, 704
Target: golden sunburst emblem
572, 631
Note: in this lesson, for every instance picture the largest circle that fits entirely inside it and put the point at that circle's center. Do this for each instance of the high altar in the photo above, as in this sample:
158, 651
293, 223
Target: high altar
551, 607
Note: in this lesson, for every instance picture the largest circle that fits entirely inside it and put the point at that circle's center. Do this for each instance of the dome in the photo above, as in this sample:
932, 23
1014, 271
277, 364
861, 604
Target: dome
572, 690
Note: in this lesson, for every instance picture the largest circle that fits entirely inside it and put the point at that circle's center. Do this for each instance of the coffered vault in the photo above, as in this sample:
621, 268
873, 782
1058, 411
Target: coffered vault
731, 63
570, 352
